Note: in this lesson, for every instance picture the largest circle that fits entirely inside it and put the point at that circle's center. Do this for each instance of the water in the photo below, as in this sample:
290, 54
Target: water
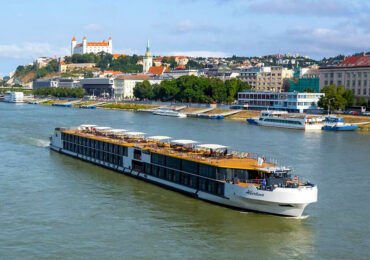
54, 206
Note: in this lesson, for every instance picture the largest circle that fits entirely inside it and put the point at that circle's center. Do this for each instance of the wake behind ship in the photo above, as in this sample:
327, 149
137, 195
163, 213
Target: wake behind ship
205, 171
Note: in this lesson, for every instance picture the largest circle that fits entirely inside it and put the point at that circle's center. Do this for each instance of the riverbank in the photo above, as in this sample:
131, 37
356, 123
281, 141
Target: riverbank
241, 115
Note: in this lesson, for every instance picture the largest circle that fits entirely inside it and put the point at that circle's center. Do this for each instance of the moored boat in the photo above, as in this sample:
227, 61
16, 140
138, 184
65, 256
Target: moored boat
284, 120
165, 111
333, 123
206, 171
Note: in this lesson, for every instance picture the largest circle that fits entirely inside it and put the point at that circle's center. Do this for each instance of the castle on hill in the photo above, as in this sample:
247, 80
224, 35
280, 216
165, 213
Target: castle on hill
91, 47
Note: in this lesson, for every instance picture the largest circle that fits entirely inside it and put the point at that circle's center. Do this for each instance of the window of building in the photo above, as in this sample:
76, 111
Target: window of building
359, 74
364, 91
353, 83
339, 75
331, 82
326, 75
359, 83
339, 82
358, 91
365, 83
331, 74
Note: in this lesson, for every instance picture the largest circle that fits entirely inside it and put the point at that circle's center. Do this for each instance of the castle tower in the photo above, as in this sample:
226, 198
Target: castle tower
110, 45
147, 60
73, 45
84, 45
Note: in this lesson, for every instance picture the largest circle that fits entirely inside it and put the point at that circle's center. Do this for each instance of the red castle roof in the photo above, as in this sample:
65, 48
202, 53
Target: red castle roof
355, 61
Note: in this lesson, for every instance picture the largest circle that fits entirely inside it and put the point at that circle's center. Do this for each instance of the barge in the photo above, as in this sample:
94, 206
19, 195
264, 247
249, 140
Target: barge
206, 171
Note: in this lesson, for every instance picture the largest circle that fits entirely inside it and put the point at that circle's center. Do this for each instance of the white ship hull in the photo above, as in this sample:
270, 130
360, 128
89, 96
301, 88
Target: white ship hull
280, 201
292, 126
174, 114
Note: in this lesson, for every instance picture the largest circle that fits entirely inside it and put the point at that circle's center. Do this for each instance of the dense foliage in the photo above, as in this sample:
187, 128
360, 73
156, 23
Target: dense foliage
338, 97
192, 89
60, 92
105, 61
51, 67
192, 64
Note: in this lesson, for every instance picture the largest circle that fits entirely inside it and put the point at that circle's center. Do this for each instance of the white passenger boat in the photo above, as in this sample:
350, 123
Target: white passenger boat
206, 171
285, 120
165, 111
13, 97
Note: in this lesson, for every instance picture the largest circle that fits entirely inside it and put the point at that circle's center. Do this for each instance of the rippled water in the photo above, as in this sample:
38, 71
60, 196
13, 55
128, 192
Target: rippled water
54, 206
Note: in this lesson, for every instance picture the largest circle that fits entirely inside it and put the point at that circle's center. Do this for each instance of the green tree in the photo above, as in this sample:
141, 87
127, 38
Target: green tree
361, 101
334, 97
88, 74
173, 63
143, 90
192, 64
309, 90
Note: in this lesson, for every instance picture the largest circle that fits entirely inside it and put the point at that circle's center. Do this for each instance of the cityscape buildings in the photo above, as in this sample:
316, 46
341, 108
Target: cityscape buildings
353, 73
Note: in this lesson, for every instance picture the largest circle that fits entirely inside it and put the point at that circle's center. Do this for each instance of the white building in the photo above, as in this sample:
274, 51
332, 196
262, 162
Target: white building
124, 85
147, 60
91, 47
288, 101
42, 62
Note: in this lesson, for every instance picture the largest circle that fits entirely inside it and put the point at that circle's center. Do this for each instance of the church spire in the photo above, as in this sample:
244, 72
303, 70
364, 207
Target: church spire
147, 53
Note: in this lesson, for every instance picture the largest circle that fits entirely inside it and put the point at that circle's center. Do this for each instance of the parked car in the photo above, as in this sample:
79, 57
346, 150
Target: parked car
351, 112
366, 113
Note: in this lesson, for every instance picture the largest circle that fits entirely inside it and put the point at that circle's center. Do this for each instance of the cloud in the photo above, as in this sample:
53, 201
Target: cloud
199, 53
93, 27
309, 7
188, 26
31, 50
324, 41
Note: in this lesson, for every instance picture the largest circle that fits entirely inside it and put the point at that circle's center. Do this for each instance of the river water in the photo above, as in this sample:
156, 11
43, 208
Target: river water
54, 206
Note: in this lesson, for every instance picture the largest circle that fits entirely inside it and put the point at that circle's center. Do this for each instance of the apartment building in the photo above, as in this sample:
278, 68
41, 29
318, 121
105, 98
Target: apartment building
276, 80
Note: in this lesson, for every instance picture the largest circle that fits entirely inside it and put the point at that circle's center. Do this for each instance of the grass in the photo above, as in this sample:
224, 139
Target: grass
126, 106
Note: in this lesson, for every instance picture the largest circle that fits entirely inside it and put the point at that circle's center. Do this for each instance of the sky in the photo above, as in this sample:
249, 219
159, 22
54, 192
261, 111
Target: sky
317, 28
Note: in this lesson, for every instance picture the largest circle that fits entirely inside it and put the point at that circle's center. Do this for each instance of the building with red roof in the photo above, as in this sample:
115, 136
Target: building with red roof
353, 73
91, 47
159, 70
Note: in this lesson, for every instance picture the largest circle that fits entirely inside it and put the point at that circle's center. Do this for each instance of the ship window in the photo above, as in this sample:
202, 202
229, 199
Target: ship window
190, 167
137, 166
161, 172
193, 181
207, 171
173, 162
137, 154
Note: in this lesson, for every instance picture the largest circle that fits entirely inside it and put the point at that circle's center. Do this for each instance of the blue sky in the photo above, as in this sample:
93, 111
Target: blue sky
317, 28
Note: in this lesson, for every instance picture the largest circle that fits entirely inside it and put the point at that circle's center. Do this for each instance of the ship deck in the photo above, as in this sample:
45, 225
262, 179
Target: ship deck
218, 160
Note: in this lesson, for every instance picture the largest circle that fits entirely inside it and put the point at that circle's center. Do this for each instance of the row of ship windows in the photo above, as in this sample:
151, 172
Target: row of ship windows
282, 121
93, 153
193, 181
182, 178
91, 143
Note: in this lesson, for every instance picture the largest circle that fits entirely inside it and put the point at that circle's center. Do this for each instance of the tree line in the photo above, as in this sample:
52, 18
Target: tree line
191, 89
60, 92
336, 97
105, 61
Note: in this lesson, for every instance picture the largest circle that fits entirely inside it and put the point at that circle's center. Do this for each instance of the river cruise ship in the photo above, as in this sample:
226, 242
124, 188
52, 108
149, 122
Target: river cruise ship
206, 171
284, 120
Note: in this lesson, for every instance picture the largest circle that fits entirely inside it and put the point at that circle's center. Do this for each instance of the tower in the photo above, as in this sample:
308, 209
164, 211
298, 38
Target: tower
84, 45
110, 45
73, 45
147, 60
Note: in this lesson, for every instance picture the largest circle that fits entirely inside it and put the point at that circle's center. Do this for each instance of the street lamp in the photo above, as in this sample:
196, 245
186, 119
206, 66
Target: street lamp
330, 99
